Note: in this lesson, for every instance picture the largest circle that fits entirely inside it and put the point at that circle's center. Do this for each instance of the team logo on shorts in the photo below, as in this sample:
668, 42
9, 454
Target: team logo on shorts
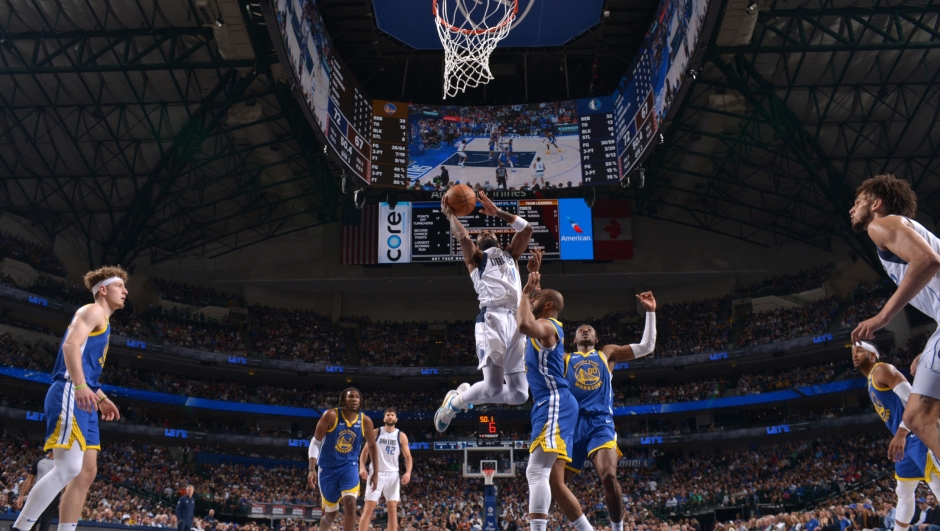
345, 441
390, 108
587, 375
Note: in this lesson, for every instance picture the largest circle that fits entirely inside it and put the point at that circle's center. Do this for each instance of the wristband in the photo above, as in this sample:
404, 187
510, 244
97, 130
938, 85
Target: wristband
83, 386
102, 399
519, 224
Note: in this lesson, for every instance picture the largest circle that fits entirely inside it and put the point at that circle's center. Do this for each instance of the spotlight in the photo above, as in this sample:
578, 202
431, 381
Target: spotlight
662, 139
752, 5
625, 183
641, 177
326, 151
694, 74
218, 22
359, 198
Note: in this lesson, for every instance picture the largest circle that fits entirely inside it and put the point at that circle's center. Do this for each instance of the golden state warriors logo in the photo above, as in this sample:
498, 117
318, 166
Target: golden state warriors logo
587, 375
884, 413
345, 441
104, 355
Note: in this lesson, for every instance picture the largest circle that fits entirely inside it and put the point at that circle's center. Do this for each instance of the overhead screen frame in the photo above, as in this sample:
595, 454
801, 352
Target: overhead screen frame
629, 152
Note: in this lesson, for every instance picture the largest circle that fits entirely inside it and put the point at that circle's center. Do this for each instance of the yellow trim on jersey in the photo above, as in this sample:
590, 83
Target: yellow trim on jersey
561, 448
536, 344
355, 420
608, 444
335, 505
573, 469
556, 321
107, 323
567, 359
899, 478
75, 435
871, 378
335, 422
930, 469
604, 359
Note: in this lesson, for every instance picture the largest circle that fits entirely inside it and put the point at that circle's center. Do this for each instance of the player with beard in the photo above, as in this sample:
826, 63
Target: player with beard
73, 402
910, 254
334, 456
590, 373
390, 443
554, 411
500, 346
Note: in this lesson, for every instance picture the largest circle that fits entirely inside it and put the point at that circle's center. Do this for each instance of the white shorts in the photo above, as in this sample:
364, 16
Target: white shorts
388, 485
498, 339
927, 379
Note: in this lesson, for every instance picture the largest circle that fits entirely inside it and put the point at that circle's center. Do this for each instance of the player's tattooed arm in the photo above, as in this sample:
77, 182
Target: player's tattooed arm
520, 240
471, 254
369, 433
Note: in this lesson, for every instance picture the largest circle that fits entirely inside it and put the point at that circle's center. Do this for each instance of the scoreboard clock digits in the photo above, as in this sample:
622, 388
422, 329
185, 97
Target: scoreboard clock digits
488, 430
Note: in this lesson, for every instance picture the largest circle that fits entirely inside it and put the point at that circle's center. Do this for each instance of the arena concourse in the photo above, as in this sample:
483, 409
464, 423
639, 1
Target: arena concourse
272, 179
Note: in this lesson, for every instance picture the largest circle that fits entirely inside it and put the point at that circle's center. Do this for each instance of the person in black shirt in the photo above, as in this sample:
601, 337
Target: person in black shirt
445, 177
37, 470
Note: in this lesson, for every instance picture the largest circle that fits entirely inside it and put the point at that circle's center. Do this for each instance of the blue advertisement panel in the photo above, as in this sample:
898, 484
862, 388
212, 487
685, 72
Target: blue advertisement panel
575, 230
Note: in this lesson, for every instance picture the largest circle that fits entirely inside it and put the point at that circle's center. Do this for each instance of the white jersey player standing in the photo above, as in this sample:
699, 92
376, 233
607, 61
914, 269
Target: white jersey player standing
390, 443
500, 346
910, 254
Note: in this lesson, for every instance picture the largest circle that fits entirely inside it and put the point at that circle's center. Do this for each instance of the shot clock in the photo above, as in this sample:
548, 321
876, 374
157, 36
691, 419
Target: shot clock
488, 430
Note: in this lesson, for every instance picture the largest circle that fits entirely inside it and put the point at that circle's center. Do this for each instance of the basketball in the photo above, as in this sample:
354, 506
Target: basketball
461, 199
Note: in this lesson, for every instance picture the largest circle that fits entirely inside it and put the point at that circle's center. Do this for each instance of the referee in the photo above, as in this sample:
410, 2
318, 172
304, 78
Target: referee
39, 468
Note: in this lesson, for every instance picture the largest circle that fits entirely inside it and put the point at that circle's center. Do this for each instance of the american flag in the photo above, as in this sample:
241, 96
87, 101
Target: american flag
360, 235
644, 77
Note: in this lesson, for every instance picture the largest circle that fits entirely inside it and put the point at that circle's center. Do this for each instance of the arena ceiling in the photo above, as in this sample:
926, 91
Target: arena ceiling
155, 131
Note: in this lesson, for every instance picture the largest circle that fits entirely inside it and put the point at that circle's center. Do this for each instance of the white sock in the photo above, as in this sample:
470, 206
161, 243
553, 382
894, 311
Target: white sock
582, 524
23, 523
68, 527
537, 524
616, 526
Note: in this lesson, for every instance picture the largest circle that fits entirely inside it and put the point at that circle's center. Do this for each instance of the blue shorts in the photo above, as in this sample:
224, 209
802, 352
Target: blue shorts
554, 419
917, 464
337, 482
65, 423
593, 433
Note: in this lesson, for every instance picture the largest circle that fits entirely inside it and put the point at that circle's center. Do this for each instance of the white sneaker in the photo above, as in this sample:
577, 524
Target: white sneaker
446, 412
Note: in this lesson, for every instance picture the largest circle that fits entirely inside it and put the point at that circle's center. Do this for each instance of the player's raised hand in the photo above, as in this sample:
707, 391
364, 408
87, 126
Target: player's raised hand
647, 300
488, 207
312, 479
533, 284
867, 328
535, 261
445, 209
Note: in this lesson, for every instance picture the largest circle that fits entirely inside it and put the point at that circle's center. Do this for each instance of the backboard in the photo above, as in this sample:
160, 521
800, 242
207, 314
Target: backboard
475, 460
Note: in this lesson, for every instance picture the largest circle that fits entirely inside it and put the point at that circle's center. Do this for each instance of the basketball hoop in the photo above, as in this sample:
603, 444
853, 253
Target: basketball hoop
469, 35
488, 476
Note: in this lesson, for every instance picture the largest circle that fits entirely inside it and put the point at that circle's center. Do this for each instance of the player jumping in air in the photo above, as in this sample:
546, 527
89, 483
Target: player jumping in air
73, 401
554, 410
590, 373
890, 391
334, 458
500, 346
910, 254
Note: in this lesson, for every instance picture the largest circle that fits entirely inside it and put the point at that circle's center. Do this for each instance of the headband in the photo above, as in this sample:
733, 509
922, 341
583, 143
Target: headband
869, 347
105, 282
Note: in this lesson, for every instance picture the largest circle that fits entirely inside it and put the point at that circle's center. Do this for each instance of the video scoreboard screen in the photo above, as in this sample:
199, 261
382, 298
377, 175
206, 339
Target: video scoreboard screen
350, 120
432, 240
389, 144
598, 141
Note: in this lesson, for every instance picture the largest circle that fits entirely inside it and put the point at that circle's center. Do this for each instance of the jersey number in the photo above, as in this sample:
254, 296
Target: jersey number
390, 450
497, 261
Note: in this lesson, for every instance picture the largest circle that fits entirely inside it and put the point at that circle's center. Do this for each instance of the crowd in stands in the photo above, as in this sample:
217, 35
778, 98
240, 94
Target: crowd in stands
387, 343
70, 293
297, 335
788, 323
207, 336
692, 327
40, 258
804, 280
865, 301
195, 295
8, 318
147, 479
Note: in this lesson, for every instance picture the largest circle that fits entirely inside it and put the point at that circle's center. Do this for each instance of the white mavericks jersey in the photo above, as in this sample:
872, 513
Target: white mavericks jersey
389, 448
496, 280
539, 167
928, 299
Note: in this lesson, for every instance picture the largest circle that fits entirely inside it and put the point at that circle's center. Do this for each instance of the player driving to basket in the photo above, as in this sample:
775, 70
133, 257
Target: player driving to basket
589, 373
499, 344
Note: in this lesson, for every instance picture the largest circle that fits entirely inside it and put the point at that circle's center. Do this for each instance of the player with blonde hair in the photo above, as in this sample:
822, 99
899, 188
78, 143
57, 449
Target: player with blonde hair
72, 403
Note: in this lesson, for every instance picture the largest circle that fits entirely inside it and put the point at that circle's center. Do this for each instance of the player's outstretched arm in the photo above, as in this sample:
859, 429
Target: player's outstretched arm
520, 241
471, 254
369, 433
87, 318
894, 234
313, 453
405, 451
646, 345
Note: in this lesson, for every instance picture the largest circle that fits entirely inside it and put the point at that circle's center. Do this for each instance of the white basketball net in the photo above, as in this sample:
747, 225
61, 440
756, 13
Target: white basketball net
470, 31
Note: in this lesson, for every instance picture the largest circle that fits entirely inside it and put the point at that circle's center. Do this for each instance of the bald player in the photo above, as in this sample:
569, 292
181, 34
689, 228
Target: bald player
590, 374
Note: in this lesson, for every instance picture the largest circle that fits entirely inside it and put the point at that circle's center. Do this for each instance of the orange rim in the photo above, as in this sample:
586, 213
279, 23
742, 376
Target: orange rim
455, 29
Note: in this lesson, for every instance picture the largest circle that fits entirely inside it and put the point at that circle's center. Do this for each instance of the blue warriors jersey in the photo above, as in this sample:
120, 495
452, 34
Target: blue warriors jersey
590, 381
342, 443
545, 368
94, 352
887, 404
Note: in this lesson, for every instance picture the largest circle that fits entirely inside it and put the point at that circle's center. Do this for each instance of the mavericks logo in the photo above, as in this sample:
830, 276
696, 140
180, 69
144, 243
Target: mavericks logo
587, 375
345, 441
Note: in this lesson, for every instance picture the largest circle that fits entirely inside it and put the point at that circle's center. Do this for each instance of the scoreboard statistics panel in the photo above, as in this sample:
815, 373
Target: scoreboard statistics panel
349, 130
431, 239
598, 141
389, 144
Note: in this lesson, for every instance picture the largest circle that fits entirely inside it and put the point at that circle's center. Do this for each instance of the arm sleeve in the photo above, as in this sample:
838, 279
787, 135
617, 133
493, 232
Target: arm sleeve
648, 343
903, 390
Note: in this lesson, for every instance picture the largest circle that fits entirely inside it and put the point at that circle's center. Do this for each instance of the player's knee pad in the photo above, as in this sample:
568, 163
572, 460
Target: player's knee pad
537, 473
906, 491
68, 463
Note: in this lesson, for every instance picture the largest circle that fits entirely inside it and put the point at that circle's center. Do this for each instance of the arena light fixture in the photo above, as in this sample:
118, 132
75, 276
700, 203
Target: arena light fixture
359, 198
641, 176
